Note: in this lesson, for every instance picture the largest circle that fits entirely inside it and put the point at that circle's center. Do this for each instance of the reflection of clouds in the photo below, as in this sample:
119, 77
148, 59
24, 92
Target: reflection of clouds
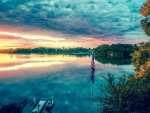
8, 58
68, 84
69, 88
104, 69
28, 65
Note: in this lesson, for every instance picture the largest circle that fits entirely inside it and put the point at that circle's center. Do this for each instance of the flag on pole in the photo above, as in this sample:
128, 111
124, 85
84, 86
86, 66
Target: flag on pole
92, 68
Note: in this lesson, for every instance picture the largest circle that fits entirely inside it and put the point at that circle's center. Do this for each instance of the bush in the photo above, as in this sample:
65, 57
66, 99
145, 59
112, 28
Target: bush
11, 108
128, 95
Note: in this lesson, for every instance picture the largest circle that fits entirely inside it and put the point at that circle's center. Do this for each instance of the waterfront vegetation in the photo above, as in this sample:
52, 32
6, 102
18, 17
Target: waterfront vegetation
115, 50
116, 54
46, 50
129, 94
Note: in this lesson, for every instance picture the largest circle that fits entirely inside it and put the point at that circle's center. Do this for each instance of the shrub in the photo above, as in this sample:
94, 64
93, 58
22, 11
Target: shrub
128, 95
10, 108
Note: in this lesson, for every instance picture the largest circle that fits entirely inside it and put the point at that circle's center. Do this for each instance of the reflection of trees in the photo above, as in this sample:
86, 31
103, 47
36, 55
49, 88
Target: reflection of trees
80, 55
118, 54
114, 60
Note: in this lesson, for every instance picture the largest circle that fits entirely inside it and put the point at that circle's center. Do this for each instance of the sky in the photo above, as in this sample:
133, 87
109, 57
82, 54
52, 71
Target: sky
69, 23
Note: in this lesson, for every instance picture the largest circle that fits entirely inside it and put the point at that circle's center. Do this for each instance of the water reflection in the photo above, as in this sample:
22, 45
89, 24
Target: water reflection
64, 78
114, 60
29, 65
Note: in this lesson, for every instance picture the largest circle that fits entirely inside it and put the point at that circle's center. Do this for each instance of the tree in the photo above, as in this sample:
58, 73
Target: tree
145, 9
128, 95
141, 59
115, 50
145, 23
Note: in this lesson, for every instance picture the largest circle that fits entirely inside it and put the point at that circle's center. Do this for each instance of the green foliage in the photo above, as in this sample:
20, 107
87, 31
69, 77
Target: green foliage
128, 94
118, 50
124, 95
102, 50
145, 23
141, 59
11, 108
115, 54
44, 50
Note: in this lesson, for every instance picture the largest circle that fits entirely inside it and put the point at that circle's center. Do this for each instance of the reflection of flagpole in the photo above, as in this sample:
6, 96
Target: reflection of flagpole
91, 96
92, 79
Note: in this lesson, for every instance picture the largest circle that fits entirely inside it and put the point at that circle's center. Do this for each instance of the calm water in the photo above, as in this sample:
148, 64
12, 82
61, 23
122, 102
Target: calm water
64, 78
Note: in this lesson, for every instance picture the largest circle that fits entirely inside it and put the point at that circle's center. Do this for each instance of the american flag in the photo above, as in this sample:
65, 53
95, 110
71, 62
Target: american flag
92, 68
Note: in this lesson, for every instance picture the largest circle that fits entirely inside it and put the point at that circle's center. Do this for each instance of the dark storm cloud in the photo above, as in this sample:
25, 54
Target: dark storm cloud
88, 17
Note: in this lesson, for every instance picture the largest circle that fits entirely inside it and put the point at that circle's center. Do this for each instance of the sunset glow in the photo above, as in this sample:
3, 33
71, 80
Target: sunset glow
75, 26
57, 56
31, 37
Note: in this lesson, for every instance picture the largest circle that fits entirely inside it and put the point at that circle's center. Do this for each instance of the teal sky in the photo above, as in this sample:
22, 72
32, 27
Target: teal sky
69, 23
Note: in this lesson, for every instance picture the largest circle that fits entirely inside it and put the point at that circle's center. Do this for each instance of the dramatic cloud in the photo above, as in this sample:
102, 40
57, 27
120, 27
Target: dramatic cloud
106, 20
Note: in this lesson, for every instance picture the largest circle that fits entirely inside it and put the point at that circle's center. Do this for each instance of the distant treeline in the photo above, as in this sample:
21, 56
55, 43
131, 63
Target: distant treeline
115, 50
45, 50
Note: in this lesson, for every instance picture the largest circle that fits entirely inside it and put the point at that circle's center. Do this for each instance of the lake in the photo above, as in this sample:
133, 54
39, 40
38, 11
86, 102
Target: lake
63, 78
